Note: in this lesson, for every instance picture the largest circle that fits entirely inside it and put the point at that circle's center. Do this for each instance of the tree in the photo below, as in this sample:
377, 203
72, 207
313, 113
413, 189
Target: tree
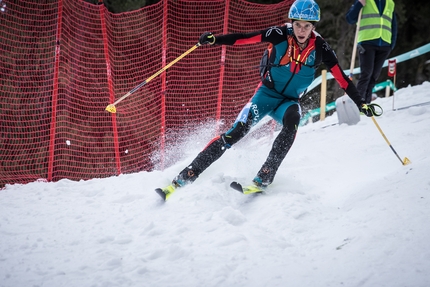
119, 6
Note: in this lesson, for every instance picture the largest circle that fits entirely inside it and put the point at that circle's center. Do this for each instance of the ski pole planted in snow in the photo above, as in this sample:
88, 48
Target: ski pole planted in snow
405, 161
111, 107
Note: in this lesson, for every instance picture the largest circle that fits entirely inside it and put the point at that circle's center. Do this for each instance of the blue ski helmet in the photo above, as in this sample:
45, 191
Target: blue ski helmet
304, 10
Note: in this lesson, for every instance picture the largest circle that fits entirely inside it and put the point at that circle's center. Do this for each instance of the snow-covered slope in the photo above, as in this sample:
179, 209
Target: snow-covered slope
343, 211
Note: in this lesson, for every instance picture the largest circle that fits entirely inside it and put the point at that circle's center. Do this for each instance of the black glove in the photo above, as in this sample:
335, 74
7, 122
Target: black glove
370, 110
207, 38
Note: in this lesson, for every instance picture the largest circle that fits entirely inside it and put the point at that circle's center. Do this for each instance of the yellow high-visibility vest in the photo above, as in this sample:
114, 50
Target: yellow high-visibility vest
374, 26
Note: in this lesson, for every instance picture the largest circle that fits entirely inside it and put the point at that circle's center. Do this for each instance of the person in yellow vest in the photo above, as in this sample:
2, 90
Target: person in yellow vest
376, 38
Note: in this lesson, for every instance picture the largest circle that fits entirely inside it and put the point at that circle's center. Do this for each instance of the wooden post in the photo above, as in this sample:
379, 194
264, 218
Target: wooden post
387, 89
323, 94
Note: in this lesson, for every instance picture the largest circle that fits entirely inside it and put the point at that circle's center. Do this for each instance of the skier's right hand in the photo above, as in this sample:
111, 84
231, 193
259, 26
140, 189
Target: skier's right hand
207, 38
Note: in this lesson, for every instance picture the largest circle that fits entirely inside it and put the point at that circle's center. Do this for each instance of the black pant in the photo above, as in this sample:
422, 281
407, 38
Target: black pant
371, 60
216, 148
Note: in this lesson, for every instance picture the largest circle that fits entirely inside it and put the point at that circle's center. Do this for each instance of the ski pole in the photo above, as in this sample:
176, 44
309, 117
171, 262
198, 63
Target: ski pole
111, 107
354, 54
405, 161
354, 47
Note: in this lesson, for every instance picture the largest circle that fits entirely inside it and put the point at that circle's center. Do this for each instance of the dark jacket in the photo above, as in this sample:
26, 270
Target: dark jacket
294, 71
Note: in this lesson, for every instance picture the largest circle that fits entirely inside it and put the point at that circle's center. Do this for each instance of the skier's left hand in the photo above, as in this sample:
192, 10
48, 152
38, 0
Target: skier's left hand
370, 110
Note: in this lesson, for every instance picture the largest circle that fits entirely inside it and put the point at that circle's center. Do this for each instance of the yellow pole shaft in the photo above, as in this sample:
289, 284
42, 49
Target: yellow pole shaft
406, 160
111, 108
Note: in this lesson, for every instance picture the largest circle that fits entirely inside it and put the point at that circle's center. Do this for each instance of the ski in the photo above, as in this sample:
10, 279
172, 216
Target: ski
250, 189
166, 192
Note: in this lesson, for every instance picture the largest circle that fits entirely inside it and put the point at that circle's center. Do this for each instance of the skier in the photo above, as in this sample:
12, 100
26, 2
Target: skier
296, 51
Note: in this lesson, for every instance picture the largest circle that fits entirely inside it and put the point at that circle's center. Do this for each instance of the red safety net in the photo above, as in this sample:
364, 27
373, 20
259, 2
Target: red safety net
62, 62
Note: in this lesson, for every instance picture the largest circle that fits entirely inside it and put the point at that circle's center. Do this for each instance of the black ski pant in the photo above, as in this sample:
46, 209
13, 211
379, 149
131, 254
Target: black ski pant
372, 59
216, 148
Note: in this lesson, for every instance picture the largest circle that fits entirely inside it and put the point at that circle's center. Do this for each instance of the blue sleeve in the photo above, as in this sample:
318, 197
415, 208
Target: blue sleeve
393, 31
352, 14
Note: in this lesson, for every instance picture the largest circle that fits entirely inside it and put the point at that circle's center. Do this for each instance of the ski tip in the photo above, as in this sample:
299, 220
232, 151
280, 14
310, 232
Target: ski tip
250, 189
236, 186
161, 193
166, 192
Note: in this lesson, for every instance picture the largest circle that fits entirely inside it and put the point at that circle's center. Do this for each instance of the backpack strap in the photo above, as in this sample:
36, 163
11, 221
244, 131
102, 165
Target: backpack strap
268, 59
266, 63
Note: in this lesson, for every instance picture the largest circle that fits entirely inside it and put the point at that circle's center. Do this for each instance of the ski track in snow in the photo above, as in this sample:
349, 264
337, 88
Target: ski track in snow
342, 211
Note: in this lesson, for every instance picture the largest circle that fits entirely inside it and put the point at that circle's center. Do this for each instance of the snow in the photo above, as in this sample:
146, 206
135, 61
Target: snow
343, 211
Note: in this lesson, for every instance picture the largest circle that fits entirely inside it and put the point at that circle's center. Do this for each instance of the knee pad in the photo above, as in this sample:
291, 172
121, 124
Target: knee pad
291, 118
